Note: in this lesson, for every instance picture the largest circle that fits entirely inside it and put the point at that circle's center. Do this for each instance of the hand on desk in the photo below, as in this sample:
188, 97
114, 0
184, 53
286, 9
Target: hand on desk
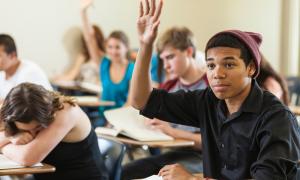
160, 125
176, 172
21, 138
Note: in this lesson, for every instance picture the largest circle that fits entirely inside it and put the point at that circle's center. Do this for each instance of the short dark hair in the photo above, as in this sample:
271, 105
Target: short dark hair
27, 102
9, 44
228, 40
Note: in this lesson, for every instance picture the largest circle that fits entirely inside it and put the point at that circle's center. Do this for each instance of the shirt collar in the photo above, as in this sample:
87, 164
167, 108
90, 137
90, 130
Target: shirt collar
254, 100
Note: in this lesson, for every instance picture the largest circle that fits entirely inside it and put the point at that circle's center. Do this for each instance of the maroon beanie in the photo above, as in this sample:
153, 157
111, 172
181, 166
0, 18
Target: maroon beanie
251, 40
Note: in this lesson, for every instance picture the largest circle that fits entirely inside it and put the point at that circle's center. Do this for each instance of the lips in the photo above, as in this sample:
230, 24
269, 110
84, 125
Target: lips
220, 87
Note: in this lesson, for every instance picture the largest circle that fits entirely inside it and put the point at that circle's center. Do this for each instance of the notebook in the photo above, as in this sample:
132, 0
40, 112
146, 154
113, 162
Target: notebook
153, 177
6, 163
127, 121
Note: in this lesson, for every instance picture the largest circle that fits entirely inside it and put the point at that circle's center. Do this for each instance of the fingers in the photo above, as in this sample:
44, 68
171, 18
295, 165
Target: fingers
165, 170
141, 9
22, 138
155, 26
158, 11
147, 7
152, 8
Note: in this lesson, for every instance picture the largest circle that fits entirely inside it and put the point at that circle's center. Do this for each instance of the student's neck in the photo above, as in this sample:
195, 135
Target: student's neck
12, 69
119, 63
234, 104
193, 73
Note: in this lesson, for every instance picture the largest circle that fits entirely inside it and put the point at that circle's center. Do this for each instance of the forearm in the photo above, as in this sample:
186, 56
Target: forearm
19, 154
141, 81
87, 27
181, 134
89, 37
75, 69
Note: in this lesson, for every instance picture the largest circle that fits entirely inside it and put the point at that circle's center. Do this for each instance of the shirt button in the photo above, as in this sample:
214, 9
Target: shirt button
222, 145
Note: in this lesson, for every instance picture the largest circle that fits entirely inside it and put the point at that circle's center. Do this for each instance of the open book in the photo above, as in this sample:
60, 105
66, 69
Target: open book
129, 122
6, 163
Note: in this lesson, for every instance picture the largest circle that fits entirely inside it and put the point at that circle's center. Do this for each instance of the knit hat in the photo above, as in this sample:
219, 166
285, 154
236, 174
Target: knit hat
251, 40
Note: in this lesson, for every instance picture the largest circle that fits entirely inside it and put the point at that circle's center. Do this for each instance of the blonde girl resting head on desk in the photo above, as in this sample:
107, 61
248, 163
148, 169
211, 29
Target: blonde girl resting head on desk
43, 126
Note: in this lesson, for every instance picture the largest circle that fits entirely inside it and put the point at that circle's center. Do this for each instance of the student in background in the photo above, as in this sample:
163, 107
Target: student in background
158, 74
271, 81
246, 132
176, 49
15, 70
115, 67
43, 126
84, 69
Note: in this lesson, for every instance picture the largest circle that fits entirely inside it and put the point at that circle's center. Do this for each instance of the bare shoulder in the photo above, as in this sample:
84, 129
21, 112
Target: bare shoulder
69, 113
80, 123
271, 82
272, 85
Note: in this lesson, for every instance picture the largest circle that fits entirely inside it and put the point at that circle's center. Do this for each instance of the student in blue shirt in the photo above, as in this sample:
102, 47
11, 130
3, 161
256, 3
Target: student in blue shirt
115, 67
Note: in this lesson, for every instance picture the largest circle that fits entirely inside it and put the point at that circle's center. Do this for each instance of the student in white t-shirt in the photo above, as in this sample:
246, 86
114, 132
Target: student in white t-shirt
14, 71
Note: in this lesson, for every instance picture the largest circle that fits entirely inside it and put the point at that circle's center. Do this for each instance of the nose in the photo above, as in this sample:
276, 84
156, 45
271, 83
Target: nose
219, 73
166, 65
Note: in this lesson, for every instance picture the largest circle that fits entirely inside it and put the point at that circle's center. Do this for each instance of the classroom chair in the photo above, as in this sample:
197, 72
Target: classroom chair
113, 153
294, 89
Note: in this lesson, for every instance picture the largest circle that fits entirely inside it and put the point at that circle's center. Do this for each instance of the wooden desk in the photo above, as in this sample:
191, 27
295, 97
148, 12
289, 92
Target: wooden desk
157, 144
78, 86
199, 175
92, 101
46, 168
295, 109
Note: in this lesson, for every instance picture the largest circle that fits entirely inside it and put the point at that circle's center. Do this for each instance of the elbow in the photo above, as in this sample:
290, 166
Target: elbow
27, 158
29, 161
136, 103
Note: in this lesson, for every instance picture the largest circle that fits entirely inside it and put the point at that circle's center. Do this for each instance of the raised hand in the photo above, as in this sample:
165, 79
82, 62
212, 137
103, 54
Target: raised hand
21, 138
148, 20
85, 4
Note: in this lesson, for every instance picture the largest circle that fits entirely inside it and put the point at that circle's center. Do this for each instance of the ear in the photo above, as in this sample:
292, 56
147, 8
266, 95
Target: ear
190, 51
251, 69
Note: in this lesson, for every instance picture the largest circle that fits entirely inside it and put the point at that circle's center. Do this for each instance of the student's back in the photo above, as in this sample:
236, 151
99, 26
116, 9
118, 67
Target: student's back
44, 126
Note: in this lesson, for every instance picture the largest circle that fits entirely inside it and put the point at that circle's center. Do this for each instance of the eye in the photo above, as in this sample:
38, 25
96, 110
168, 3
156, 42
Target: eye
229, 65
170, 57
210, 66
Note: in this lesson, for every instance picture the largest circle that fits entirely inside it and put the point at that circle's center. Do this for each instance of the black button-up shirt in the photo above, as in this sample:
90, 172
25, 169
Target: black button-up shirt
259, 141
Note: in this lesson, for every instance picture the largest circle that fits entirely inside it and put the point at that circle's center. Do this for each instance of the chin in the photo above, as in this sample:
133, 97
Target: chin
221, 96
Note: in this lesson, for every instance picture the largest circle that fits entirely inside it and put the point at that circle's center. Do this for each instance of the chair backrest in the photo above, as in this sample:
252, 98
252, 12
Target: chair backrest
113, 153
294, 89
